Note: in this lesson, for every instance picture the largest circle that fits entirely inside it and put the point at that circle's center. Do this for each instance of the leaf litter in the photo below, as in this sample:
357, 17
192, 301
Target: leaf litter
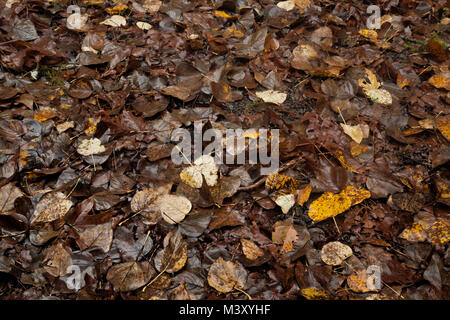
89, 101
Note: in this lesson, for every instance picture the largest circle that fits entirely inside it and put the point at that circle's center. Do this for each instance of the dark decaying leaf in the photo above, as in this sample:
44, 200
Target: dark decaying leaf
174, 255
129, 276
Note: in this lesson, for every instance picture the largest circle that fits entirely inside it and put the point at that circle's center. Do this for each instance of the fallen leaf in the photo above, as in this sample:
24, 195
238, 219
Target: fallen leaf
251, 250
330, 204
115, 21
77, 22
441, 80
354, 132
144, 25
65, 126
89, 147
96, 236
303, 195
286, 202
284, 233
272, 96
174, 208
129, 276
8, 194
58, 260
334, 253
286, 5
204, 166
358, 280
443, 124
174, 255
51, 207
225, 276
372, 90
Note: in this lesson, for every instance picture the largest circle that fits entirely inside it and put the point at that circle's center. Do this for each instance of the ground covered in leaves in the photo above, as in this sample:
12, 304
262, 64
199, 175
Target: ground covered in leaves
92, 206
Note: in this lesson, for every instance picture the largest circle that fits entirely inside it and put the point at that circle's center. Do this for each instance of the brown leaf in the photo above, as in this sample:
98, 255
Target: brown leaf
129, 276
174, 255
225, 276
51, 207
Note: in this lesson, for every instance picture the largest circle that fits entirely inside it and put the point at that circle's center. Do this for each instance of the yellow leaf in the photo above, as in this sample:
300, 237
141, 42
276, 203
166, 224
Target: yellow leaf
222, 14
117, 9
330, 204
443, 124
277, 182
45, 114
441, 81
314, 294
357, 281
415, 233
402, 82
370, 34
355, 132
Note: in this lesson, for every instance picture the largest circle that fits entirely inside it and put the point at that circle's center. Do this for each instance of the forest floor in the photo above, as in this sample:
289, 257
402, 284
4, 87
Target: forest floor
93, 204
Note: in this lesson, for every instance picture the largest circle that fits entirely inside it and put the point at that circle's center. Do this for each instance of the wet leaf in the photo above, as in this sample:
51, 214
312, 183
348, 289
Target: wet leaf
251, 250
441, 80
58, 260
354, 132
303, 195
284, 233
8, 194
129, 276
225, 276
96, 236
174, 255
372, 91
330, 205
51, 207
334, 253
174, 208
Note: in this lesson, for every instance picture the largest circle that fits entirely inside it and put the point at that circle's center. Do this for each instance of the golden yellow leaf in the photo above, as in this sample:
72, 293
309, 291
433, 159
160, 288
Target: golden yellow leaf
370, 34
402, 82
277, 182
117, 9
415, 233
314, 294
441, 80
330, 204
222, 14
45, 114
443, 124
